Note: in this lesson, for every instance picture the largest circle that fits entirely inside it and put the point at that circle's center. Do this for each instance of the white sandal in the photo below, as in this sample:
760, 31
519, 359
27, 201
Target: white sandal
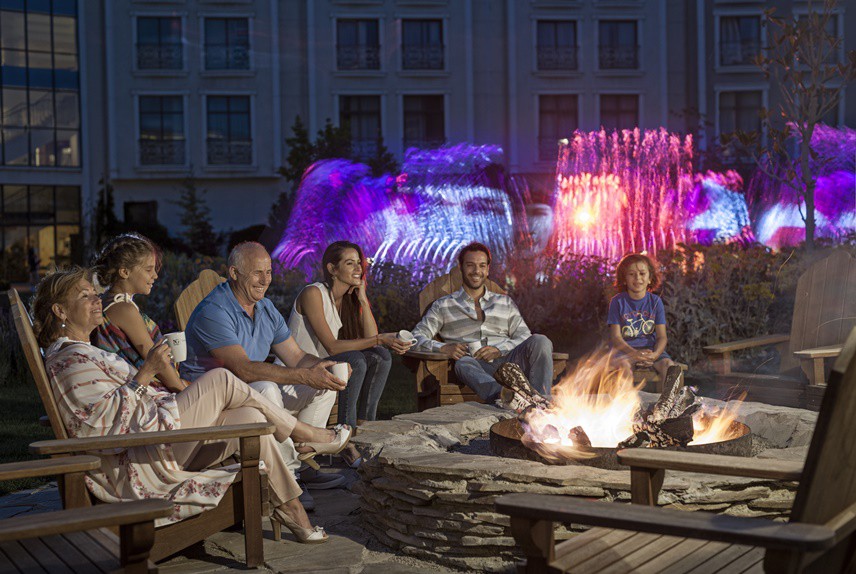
339, 442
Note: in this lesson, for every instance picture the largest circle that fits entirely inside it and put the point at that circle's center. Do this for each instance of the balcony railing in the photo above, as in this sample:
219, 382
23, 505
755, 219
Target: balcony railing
612, 57
162, 152
548, 148
427, 143
221, 152
556, 58
358, 57
227, 58
419, 57
159, 56
364, 148
739, 53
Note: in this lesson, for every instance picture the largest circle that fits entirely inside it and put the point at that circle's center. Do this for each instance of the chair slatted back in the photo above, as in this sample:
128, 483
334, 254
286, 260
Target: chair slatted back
825, 305
24, 327
446, 285
193, 294
828, 484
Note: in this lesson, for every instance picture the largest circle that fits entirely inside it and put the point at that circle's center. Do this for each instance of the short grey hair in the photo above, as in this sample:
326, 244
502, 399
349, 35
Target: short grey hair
239, 254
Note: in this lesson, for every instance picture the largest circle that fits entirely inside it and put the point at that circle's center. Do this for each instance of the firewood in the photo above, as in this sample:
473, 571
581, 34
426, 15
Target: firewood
579, 436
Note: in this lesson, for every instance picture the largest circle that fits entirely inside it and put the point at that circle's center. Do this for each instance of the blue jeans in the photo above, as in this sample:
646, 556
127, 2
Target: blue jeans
534, 356
369, 369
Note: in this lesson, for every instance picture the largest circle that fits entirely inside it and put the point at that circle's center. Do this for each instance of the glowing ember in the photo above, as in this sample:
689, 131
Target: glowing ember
600, 398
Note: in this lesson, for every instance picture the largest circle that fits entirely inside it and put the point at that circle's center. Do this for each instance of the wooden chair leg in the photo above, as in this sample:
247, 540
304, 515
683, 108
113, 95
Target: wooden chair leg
136, 542
535, 538
645, 485
251, 486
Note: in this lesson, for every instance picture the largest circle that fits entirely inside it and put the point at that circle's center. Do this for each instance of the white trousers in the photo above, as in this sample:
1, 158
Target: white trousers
308, 405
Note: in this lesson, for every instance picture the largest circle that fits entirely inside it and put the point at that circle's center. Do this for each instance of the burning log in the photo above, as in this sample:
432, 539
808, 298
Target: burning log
579, 436
511, 377
670, 422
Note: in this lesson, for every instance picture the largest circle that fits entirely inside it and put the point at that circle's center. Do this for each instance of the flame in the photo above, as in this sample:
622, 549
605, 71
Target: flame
600, 397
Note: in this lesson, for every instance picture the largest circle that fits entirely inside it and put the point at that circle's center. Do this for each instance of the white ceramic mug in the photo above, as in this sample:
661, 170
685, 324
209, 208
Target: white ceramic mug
407, 337
177, 345
340, 371
474, 346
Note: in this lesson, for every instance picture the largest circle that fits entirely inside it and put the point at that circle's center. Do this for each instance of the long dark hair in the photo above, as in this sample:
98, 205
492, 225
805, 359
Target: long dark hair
352, 326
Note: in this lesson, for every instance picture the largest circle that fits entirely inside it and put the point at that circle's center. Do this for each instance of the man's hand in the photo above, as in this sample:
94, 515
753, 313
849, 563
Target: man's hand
487, 353
644, 357
454, 350
318, 377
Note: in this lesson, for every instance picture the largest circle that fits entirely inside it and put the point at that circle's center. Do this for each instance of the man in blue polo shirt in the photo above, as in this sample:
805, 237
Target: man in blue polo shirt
236, 327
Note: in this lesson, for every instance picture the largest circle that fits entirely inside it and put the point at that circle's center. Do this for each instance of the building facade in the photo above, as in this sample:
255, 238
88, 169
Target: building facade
145, 95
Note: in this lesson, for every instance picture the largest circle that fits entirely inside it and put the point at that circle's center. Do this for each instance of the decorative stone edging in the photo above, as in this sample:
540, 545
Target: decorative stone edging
434, 504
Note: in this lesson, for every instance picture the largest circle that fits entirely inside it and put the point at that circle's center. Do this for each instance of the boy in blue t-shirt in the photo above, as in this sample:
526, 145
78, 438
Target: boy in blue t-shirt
637, 319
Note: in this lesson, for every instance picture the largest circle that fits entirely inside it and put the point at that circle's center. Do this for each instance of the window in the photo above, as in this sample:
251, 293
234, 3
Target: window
357, 45
830, 29
619, 45
619, 111
159, 43
422, 45
739, 40
162, 130
424, 121
227, 44
557, 45
740, 111
39, 228
39, 86
361, 114
229, 140
557, 119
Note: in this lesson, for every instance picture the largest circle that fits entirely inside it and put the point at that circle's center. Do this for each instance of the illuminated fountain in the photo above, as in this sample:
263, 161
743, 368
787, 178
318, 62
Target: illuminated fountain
625, 191
442, 200
778, 209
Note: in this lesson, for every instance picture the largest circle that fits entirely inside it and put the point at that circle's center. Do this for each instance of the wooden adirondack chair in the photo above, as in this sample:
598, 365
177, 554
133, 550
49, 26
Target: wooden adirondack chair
435, 378
78, 540
245, 502
194, 293
824, 312
819, 536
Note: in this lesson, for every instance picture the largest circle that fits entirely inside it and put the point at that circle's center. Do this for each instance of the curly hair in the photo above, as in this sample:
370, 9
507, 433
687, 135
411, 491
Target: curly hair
352, 327
54, 288
123, 252
631, 259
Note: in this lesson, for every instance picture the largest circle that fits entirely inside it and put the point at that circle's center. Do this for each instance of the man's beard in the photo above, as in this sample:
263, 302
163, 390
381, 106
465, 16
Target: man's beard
468, 283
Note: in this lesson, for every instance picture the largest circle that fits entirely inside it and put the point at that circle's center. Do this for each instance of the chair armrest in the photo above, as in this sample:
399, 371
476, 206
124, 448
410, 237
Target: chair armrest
560, 356
702, 525
820, 352
65, 446
48, 467
426, 356
710, 463
77, 519
761, 341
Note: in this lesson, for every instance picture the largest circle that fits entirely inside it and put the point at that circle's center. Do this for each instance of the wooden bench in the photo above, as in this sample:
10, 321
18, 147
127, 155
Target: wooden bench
435, 375
824, 313
78, 540
819, 537
244, 504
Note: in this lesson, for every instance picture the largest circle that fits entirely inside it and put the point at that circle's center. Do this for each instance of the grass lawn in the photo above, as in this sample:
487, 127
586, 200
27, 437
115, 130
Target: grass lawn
19, 426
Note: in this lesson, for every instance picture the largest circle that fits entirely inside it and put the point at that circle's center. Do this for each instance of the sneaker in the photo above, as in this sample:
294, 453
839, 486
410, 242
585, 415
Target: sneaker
322, 480
305, 498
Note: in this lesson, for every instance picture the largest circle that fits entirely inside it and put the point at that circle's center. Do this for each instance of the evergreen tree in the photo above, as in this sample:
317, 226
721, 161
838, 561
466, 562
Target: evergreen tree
383, 161
105, 224
196, 218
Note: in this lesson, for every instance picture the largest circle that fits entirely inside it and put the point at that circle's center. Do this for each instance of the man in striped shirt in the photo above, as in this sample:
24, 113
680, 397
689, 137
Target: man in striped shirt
481, 330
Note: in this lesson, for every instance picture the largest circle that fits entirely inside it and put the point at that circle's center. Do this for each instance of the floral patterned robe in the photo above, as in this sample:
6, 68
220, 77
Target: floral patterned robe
91, 389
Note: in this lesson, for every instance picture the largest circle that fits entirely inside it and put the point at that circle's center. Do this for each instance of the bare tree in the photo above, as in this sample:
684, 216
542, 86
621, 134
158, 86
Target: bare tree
804, 58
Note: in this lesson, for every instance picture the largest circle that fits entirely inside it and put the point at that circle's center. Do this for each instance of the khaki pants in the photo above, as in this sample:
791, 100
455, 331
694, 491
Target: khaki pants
310, 406
218, 398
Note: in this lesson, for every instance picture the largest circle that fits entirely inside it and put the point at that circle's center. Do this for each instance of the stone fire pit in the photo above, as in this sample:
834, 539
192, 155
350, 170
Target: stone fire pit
429, 482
